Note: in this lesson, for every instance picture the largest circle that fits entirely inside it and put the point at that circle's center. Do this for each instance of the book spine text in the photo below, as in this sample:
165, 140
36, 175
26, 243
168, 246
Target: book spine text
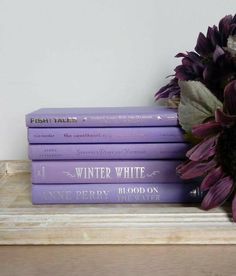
105, 135
108, 151
111, 171
116, 193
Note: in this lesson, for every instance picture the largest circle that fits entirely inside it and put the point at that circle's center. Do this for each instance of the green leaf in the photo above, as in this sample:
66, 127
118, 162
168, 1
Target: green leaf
197, 104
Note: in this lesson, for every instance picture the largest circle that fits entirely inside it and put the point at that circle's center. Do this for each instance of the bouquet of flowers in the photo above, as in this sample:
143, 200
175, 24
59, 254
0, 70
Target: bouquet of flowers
203, 89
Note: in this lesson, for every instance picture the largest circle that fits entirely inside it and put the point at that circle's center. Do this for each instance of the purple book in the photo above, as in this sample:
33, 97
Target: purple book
105, 135
102, 117
116, 193
108, 151
135, 171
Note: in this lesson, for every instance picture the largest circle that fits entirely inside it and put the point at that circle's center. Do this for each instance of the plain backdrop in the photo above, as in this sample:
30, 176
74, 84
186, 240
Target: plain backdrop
90, 53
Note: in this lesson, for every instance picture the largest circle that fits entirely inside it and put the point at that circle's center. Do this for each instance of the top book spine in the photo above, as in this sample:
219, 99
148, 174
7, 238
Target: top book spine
102, 117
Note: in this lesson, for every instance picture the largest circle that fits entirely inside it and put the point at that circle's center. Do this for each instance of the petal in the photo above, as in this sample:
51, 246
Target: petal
234, 19
218, 53
214, 36
232, 29
163, 94
234, 208
194, 57
203, 46
172, 88
203, 150
169, 93
224, 28
184, 73
193, 169
183, 166
218, 193
206, 129
225, 21
230, 98
223, 118
209, 73
213, 176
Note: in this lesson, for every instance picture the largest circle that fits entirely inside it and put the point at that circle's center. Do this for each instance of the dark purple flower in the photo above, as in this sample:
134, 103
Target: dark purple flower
213, 63
191, 68
216, 36
206, 45
215, 157
219, 71
170, 90
227, 26
230, 99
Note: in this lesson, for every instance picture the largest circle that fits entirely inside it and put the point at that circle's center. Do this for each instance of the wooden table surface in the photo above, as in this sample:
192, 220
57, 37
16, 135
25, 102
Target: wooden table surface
117, 260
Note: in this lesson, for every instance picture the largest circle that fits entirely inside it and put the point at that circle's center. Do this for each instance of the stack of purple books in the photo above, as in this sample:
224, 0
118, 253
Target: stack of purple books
107, 155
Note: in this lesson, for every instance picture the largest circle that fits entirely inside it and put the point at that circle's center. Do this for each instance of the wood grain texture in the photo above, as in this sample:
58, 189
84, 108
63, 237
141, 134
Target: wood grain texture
139, 260
23, 223
14, 166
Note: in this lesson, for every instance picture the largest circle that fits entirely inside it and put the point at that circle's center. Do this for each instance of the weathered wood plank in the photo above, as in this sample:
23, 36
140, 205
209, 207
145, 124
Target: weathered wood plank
106, 260
15, 166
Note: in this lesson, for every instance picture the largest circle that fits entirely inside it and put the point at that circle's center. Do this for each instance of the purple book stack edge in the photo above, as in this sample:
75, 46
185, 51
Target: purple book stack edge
105, 135
132, 171
116, 193
102, 117
108, 151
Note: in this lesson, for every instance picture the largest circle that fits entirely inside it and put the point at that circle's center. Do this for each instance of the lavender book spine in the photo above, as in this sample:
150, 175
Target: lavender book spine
116, 193
105, 135
132, 171
108, 151
102, 117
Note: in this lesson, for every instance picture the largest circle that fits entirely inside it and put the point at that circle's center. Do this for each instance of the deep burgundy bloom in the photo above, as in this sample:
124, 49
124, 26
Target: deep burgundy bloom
170, 90
207, 44
216, 36
192, 67
215, 157
212, 63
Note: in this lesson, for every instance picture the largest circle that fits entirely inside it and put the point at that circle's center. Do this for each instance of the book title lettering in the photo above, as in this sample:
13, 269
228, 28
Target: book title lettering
53, 120
105, 172
123, 194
